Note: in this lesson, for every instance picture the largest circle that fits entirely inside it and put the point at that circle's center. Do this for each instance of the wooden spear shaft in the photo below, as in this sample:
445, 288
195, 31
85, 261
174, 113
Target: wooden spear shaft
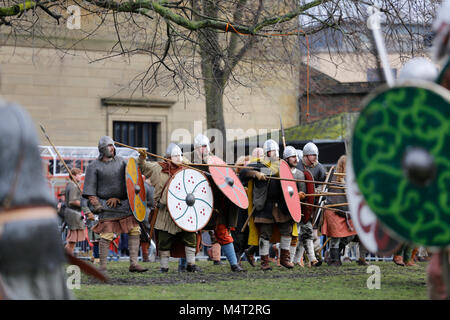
323, 246
60, 158
316, 206
336, 205
159, 157
324, 194
223, 165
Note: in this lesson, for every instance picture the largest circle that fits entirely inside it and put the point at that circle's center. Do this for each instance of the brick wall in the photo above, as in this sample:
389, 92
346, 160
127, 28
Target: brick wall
328, 97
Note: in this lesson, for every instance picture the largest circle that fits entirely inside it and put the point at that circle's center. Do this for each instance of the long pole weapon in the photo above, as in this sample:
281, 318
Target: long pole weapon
226, 166
60, 158
282, 134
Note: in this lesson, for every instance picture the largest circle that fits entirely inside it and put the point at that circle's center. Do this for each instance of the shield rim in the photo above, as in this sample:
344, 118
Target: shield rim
140, 179
167, 198
284, 182
236, 179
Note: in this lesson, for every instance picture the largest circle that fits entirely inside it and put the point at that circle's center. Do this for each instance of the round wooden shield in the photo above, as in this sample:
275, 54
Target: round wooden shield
308, 210
227, 181
135, 190
370, 232
400, 156
444, 77
190, 200
290, 191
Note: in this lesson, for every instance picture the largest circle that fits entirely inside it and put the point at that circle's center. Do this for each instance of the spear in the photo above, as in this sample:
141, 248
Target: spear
156, 156
316, 206
60, 158
324, 194
282, 133
226, 166
336, 205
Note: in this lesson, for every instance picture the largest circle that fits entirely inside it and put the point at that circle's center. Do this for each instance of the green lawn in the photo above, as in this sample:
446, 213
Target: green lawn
219, 283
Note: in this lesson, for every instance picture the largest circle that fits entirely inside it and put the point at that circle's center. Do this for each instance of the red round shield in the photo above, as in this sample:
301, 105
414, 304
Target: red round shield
290, 191
308, 210
228, 182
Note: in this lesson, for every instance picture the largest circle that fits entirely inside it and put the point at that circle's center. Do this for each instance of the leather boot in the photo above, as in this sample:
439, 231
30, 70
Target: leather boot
237, 268
398, 260
335, 257
414, 254
144, 248
285, 259
250, 257
103, 247
133, 246
265, 264
362, 256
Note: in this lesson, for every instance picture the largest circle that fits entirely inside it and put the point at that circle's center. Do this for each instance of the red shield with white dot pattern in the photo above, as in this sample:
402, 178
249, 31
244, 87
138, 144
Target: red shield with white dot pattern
190, 200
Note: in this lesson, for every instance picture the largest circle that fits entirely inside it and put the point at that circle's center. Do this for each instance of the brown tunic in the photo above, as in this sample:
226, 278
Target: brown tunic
159, 179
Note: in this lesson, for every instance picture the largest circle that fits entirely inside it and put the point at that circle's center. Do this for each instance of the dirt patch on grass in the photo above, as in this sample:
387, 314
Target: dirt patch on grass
124, 277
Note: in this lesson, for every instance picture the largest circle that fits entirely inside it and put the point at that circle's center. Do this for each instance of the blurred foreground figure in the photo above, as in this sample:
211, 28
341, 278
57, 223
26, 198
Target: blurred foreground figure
31, 251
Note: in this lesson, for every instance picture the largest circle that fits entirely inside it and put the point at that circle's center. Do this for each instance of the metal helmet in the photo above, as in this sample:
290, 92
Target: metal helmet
258, 153
310, 149
441, 26
418, 69
201, 140
289, 151
103, 146
270, 145
173, 150
299, 154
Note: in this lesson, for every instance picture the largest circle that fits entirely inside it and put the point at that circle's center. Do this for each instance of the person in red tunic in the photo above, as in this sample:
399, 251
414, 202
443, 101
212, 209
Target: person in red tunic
337, 224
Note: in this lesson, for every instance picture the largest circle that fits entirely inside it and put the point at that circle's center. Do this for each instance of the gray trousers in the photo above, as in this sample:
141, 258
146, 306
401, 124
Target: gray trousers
266, 229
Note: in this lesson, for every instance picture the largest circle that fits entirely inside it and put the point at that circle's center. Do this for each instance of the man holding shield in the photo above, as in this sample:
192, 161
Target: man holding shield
105, 188
269, 206
160, 174
225, 214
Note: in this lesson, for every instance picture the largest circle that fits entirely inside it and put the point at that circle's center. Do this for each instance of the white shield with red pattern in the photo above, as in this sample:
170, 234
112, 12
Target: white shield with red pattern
190, 200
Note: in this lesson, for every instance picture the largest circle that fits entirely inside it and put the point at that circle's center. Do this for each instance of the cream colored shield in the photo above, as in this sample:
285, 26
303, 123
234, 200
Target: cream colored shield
190, 200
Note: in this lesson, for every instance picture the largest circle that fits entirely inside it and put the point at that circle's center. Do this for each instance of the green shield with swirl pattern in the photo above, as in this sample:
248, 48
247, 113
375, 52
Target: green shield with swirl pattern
393, 122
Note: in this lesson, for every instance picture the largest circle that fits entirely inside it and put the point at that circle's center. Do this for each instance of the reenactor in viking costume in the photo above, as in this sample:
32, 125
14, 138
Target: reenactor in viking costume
438, 289
72, 213
105, 188
31, 252
269, 207
311, 163
225, 213
338, 224
160, 174
257, 156
416, 69
291, 157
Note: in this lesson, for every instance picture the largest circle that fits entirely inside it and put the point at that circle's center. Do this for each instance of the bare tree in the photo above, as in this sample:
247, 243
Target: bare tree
204, 46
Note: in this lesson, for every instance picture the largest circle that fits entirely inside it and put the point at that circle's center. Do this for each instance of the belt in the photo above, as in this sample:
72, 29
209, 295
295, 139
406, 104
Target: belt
27, 214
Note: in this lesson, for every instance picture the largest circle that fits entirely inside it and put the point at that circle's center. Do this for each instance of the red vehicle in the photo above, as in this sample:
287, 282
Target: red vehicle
79, 157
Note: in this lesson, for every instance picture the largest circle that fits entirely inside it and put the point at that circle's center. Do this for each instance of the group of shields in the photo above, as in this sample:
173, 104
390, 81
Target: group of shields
397, 175
190, 199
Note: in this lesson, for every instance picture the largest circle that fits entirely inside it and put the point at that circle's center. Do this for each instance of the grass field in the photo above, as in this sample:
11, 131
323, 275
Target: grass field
347, 282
